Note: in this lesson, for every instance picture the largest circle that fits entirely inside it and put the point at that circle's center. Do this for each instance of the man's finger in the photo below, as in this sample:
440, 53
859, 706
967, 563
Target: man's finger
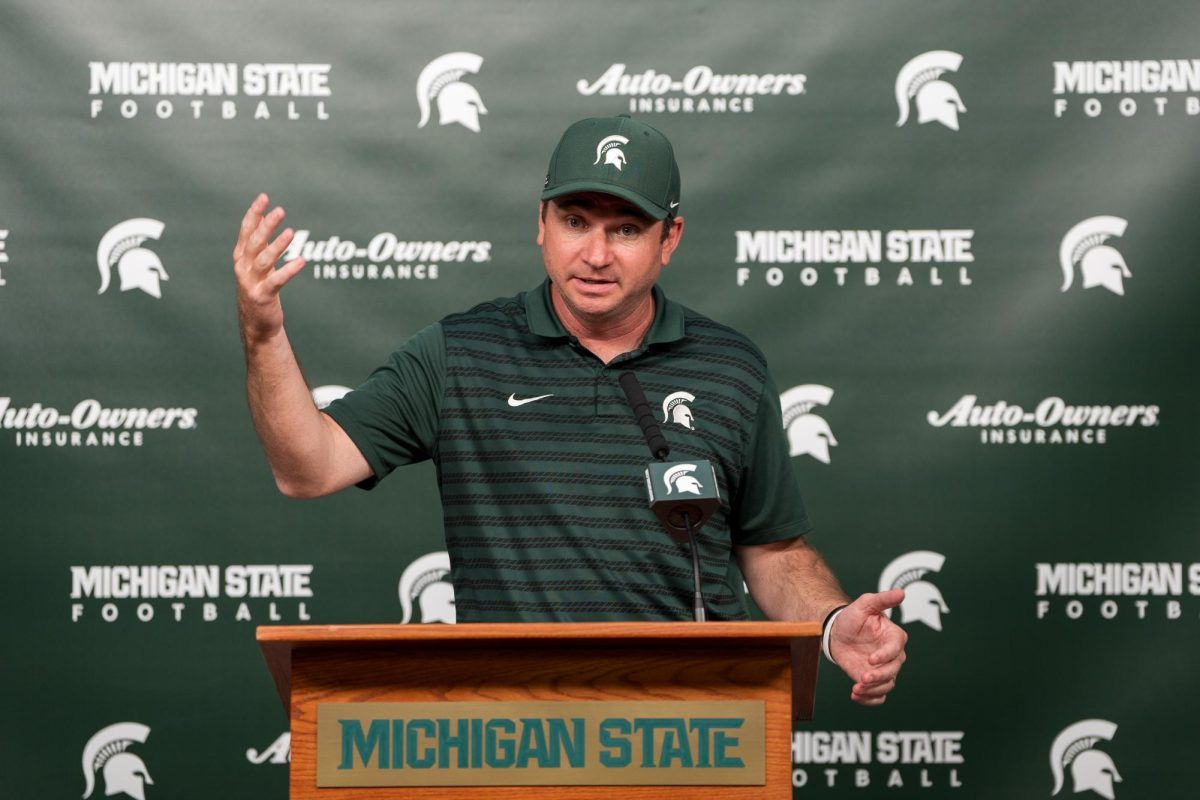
262, 233
891, 650
868, 701
887, 672
249, 223
277, 279
271, 253
879, 602
877, 690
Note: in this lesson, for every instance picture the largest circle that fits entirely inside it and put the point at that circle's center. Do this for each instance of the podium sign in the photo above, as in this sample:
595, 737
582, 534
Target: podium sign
560, 743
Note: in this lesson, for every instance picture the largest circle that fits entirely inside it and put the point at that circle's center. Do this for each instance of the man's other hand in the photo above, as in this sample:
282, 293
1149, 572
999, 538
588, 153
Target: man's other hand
868, 646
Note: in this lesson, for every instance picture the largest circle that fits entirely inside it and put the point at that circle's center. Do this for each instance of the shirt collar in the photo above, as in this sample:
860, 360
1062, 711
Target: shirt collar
539, 310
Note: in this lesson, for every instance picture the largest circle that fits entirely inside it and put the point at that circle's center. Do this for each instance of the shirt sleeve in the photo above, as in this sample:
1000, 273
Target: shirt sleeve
769, 507
393, 417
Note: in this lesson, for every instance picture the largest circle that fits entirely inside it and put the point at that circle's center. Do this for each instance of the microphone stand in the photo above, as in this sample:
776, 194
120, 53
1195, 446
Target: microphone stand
698, 612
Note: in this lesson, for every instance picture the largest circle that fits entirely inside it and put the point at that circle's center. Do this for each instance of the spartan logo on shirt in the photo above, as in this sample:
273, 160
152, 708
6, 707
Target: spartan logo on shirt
679, 478
324, 395
808, 434
1091, 769
138, 267
676, 409
609, 148
1100, 264
937, 100
457, 101
426, 581
922, 600
106, 754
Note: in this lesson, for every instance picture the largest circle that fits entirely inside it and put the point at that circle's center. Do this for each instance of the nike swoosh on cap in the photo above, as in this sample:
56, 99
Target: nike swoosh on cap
514, 402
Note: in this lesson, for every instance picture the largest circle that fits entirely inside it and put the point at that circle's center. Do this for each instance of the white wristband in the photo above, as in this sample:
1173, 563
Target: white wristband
828, 630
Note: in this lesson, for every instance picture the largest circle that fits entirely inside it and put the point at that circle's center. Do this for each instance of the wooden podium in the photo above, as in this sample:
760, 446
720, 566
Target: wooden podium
573, 665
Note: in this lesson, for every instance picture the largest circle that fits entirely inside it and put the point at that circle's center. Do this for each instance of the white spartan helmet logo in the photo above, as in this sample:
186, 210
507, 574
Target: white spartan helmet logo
124, 773
807, 433
138, 267
456, 101
609, 149
425, 581
324, 395
1101, 265
1090, 768
922, 600
680, 477
937, 100
675, 409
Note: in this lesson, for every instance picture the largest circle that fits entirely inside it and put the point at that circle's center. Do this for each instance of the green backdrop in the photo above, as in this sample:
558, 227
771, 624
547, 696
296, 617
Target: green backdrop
1011, 438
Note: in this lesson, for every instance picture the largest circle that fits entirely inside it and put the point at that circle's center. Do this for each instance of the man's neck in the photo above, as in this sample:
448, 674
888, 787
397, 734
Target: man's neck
606, 337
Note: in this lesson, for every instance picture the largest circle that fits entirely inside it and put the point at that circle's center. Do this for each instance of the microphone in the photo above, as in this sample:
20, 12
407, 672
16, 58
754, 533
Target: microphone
644, 416
683, 495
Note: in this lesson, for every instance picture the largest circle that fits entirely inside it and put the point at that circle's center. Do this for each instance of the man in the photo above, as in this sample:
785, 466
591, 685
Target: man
539, 458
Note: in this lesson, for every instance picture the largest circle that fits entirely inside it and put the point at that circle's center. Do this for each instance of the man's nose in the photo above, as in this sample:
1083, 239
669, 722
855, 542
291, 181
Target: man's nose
597, 252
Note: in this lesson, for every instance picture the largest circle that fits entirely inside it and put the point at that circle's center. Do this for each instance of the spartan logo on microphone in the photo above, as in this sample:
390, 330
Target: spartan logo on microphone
609, 148
1091, 769
922, 600
936, 99
106, 754
808, 434
427, 581
137, 267
1100, 264
679, 478
457, 101
676, 409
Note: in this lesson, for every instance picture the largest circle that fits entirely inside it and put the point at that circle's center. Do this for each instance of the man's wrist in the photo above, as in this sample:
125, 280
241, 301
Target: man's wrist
827, 630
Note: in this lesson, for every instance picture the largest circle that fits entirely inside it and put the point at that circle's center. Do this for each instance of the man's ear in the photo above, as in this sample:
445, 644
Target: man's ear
541, 223
672, 241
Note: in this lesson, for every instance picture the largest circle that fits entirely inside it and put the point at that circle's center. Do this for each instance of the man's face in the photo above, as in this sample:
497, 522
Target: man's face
602, 254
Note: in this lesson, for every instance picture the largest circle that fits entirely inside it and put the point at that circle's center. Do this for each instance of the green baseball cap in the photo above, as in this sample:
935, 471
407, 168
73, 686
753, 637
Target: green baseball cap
619, 156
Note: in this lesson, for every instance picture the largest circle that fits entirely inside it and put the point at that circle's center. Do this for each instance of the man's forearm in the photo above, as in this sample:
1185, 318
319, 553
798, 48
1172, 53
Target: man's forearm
293, 432
790, 581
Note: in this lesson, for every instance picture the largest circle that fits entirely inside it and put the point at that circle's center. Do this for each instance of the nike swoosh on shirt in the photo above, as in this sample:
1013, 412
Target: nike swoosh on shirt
514, 402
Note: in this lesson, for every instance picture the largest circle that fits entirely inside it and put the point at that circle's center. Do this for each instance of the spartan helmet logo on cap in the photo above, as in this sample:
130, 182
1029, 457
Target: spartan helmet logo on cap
936, 99
1091, 769
1101, 265
324, 395
138, 267
807, 433
124, 772
610, 150
680, 478
922, 600
456, 101
425, 580
675, 409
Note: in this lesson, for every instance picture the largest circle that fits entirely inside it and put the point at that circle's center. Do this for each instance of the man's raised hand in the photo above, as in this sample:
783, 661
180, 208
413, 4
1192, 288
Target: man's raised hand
868, 646
258, 281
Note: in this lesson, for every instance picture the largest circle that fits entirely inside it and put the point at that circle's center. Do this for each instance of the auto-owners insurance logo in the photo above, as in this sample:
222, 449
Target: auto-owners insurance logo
1052, 421
700, 89
90, 423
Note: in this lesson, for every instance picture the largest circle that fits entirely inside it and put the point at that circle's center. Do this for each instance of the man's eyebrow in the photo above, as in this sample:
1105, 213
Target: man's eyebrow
587, 204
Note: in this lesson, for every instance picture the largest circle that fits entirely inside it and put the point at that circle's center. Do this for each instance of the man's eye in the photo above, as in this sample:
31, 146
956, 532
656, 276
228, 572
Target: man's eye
574, 222
629, 230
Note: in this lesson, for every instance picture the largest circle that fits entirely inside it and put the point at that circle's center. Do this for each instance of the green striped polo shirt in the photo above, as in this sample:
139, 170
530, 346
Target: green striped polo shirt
540, 462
